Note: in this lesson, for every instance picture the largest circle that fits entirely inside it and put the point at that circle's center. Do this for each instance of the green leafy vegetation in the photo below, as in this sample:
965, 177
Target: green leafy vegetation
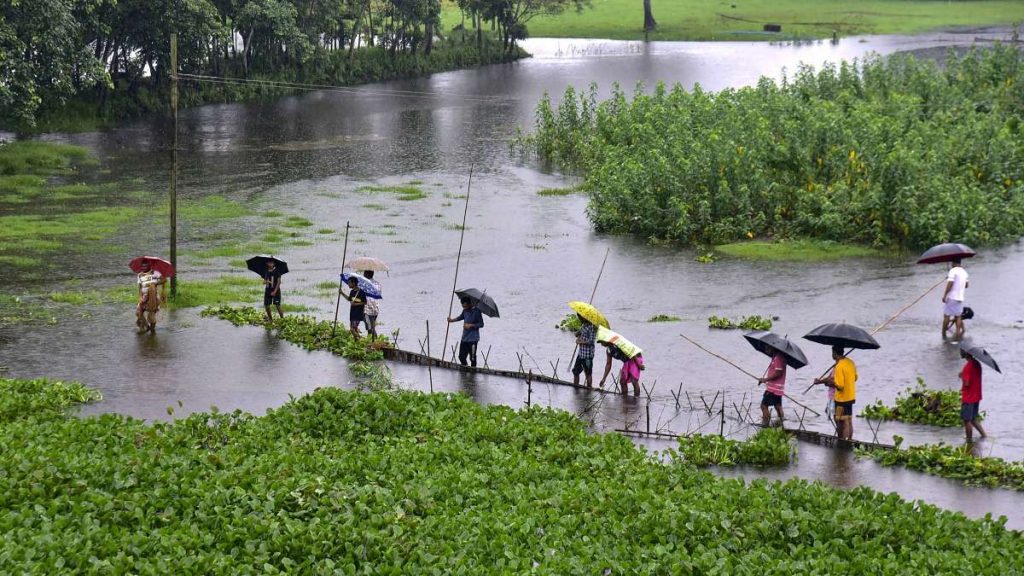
570, 323
664, 318
769, 447
557, 192
795, 250
404, 482
884, 152
958, 462
920, 405
306, 332
40, 398
754, 322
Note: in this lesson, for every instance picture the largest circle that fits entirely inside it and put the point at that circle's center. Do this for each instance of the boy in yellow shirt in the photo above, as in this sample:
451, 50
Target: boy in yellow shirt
844, 379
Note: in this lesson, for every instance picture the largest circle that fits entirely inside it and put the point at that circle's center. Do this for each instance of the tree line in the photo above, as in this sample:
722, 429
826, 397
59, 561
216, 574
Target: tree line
53, 50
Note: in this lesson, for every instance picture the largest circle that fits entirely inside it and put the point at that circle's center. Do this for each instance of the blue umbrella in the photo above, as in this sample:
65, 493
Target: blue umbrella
369, 287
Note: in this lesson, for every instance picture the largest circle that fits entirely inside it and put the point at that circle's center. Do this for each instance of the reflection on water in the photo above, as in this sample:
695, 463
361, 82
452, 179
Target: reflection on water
309, 154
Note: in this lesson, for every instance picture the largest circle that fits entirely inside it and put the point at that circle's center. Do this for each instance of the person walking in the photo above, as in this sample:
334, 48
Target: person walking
371, 308
843, 380
970, 395
629, 354
272, 291
472, 321
774, 382
357, 310
148, 306
953, 300
586, 337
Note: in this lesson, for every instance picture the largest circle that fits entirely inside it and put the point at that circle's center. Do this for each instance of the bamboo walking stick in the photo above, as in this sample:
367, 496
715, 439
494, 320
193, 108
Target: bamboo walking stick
881, 327
592, 294
344, 253
458, 259
741, 369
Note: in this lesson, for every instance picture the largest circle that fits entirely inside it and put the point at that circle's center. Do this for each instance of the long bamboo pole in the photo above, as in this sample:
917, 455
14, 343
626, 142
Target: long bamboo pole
174, 165
741, 369
881, 327
458, 260
593, 293
337, 305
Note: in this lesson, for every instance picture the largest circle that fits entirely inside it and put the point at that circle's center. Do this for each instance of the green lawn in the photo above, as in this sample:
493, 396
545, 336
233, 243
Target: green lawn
743, 19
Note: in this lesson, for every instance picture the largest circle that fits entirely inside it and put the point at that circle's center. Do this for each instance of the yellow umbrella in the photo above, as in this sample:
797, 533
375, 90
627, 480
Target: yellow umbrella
593, 315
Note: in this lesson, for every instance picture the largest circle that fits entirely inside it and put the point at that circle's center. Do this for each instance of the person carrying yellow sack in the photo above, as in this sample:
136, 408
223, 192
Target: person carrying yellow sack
628, 353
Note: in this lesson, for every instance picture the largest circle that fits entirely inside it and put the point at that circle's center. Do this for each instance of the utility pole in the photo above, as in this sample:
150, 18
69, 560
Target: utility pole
174, 162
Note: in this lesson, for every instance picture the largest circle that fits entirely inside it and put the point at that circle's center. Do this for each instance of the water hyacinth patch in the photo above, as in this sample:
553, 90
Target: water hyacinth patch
769, 447
921, 405
410, 483
306, 331
957, 462
753, 322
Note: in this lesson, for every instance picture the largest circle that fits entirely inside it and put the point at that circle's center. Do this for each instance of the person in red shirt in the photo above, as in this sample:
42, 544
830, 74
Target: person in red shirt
970, 395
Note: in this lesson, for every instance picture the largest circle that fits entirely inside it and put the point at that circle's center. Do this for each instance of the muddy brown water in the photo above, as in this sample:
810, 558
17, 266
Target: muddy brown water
308, 154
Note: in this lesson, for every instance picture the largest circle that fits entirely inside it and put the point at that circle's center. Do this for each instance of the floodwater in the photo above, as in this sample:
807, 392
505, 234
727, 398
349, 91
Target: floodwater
308, 154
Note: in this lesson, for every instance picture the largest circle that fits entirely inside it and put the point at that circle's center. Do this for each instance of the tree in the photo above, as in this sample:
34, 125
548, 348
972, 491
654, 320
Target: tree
42, 58
649, 23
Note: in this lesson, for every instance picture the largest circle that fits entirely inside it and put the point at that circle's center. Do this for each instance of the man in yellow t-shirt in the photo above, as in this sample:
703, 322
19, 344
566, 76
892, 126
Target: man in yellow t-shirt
844, 379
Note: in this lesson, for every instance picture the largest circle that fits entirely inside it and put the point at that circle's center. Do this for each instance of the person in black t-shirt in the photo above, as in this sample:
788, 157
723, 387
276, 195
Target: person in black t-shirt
272, 291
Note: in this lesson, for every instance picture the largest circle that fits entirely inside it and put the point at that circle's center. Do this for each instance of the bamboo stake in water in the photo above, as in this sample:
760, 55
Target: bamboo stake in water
881, 327
458, 259
741, 369
430, 362
593, 293
344, 253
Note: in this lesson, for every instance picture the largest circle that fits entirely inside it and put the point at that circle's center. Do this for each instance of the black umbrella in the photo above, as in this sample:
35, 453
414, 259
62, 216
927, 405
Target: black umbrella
481, 300
258, 264
842, 334
947, 252
768, 343
980, 354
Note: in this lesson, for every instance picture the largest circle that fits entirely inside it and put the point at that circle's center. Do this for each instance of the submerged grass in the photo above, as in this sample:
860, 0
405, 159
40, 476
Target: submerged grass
406, 192
38, 157
405, 482
795, 250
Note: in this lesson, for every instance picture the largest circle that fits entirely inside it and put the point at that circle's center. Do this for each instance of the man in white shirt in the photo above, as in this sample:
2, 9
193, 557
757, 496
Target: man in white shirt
953, 300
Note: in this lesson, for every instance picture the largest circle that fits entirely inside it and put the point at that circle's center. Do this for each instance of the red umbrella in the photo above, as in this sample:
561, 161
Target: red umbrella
159, 264
947, 252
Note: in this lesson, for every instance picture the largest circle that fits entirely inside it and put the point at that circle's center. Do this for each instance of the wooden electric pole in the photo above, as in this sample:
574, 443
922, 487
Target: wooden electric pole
174, 163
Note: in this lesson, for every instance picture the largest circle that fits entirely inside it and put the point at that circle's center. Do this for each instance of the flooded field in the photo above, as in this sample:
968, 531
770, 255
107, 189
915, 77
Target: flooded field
315, 155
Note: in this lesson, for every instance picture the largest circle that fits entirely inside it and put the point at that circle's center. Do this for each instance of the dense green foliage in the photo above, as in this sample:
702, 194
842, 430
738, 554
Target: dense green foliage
305, 331
769, 447
753, 322
955, 462
882, 152
921, 405
408, 483
72, 63
570, 323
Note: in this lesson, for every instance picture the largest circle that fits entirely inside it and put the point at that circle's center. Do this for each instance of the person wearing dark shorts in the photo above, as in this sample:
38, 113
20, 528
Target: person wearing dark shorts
272, 291
472, 320
356, 311
774, 381
970, 395
586, 338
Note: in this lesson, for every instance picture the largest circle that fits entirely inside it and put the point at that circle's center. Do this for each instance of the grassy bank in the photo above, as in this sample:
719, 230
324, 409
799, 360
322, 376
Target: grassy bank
744, 19
347, 482
795, 250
